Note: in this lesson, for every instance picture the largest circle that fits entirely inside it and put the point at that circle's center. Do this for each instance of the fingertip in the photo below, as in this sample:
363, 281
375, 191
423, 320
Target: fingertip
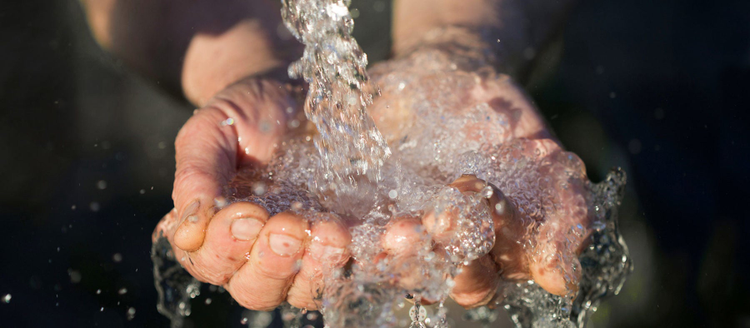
403, 234
284, 234
440, 226
189, 237
329, 241
555, 278
245, 219
191, 231
476, 285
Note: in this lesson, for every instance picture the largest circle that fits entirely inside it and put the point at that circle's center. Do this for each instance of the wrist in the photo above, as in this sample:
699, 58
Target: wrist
466, 47
213, 62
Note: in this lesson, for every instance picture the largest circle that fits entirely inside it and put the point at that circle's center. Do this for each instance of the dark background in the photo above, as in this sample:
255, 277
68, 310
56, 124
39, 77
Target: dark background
660, 88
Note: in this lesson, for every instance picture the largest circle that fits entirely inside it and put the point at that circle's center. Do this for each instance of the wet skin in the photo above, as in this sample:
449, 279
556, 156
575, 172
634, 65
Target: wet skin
264, 261
202, 49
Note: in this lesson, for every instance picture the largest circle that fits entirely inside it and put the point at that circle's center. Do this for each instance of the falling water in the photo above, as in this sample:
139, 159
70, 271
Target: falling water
348, 168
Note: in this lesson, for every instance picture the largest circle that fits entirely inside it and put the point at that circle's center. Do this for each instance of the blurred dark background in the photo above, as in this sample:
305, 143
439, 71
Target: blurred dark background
660, 88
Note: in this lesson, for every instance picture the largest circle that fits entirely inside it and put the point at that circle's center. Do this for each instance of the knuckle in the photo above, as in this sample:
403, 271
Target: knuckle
268, 273
474, 298
248, 301
191, 172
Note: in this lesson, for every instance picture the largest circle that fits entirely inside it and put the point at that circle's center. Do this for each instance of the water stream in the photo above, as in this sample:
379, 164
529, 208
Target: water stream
349, 168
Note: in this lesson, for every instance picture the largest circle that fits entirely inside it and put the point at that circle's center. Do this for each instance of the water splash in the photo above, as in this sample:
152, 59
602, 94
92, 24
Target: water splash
443, 130
334, 66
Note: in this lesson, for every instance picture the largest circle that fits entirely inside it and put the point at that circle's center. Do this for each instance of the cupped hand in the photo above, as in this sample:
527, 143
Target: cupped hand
261, 260
542, 247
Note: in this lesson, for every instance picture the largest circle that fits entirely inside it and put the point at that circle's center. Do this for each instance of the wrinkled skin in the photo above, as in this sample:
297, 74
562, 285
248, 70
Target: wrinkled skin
264, 261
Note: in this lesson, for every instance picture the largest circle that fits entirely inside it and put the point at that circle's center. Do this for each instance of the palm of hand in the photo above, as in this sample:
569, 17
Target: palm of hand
234, 247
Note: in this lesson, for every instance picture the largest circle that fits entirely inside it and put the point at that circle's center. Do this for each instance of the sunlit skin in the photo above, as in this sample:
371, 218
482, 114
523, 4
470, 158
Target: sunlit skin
264, 261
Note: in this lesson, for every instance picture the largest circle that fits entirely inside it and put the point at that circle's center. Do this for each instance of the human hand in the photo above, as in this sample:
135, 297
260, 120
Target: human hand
537, 239
261, 260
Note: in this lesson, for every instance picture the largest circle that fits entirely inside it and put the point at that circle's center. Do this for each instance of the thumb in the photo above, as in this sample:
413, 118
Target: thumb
240, 126
206, 160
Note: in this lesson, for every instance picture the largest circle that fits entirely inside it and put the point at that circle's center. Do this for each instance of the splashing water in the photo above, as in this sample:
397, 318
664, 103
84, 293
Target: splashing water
347, 168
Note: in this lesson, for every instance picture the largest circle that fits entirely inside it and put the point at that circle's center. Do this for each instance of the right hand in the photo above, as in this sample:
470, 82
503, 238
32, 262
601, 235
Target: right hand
262, 261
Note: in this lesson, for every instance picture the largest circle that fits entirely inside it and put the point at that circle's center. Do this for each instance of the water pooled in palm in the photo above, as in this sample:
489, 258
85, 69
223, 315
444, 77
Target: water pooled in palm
435, 127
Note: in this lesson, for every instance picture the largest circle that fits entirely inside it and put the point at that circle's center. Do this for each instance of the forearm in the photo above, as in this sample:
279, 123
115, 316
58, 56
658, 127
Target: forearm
511, 30
198, 47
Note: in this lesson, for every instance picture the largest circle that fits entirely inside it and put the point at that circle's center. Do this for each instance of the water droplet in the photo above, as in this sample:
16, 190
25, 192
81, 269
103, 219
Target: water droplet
227, 122
75, 276
393, 194
259, 188
130, 315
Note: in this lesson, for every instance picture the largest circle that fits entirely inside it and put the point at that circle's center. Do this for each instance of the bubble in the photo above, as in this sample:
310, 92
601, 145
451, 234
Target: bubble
259, 188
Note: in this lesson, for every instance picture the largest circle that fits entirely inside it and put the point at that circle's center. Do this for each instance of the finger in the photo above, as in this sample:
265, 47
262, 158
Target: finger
441, 226
229, 239
326, 251
262, 282
240, 126
477, 283
402, 235
404, 238
554, 266
509, 251
559, 241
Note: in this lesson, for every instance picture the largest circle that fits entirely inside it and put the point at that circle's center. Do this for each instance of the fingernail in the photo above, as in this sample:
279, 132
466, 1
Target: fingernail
324, 253
190, 211
245, 228
284, 245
